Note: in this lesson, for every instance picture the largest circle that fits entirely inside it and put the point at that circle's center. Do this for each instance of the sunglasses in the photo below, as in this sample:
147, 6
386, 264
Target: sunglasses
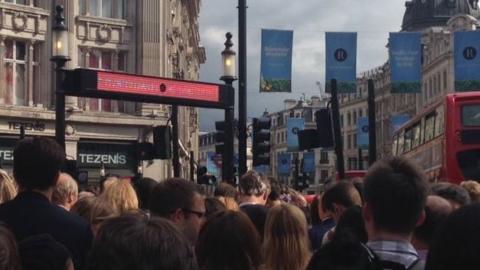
198, 214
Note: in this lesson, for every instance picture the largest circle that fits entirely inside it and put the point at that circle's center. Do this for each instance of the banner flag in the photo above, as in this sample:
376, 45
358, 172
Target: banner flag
467, 61
276, 61
362, 133
293, 126
212, 163
341, 61
398, 120
284, 162
308, 162
405, 52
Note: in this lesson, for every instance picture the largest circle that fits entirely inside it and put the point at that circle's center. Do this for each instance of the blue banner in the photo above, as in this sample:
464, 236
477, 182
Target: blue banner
293, 126
284, 161
398, 120
262, 169
341, 61
467, 60
276, 61
405, 51
213, 161
308, 162
362, 133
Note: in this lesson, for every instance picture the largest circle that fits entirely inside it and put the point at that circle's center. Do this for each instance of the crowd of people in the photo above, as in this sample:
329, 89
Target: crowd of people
391, 219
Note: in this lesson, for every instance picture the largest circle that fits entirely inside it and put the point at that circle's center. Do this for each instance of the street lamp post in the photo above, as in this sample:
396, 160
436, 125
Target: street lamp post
228, 60
242, 86
60, 58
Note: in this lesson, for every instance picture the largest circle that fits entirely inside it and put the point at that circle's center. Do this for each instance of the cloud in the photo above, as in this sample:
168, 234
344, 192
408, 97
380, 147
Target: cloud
309, 19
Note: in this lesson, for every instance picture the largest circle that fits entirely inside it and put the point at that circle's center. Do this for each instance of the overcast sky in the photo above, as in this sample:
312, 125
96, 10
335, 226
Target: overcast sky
309, 19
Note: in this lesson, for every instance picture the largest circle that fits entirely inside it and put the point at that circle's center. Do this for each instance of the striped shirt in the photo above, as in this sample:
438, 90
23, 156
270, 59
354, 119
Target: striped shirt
395, 251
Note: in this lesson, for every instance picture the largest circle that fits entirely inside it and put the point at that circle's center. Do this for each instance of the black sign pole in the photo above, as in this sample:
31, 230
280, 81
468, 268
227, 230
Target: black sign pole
360, 159
176, 146
242, 87
337, 130
60, 104
192, 166
372, 141
227, 157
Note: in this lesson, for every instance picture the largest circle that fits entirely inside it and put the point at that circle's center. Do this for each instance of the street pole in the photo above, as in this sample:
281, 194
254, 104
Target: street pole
372, 141
192, 166
337, 131
227, 158
59, 104
242, 87
176, 146
360, 159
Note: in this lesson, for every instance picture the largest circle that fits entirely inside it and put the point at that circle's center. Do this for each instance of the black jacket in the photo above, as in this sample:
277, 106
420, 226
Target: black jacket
31, 213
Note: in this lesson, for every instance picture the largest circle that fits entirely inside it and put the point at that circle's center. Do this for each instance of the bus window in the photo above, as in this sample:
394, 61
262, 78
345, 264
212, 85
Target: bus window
394, 145
429, 125
469, 162
471, 115
401, 142
408, 140
439, 121
416, 135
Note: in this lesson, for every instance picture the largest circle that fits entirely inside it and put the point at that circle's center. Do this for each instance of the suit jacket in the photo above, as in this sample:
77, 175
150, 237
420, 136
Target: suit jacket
257, 214
31, 213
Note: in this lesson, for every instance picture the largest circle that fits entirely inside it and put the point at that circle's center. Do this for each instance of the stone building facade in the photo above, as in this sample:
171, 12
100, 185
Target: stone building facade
437, 23
150, 37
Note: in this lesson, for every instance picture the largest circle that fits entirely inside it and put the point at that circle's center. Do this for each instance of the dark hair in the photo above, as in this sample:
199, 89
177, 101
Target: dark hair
225, 190
451, 192
37, 163
83, 207
351, 221
134, 242
9, 258
395, 192
341, 193
228, 240
455, 244
172, 194
252, 183
275, 189
144, 187
212, 206
42, 252
343, 252
314, 215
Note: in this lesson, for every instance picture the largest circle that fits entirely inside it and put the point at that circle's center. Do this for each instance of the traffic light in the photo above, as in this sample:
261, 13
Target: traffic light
219, 137
261, 141
163, 142
324, 127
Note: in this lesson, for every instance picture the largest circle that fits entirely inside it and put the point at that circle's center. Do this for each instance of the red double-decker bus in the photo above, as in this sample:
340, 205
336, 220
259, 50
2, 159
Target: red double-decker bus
444, 139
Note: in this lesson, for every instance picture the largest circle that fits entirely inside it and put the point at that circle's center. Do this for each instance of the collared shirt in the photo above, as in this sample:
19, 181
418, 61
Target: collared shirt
246, 203
395, 251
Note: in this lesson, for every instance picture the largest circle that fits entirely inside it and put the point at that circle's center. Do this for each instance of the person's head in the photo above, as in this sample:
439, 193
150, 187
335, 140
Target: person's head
144, 187
121, 195
83, 206
395, 195
473, 189
339, 197
275, 191
314, 211
37, 163
343, 252
100, 211
437, 210
228, 241
180, 201
135, 242
9, 258
42, 252
253, 188
455, 194
227, 194
8, 190
286, 244
352, 222
455, 244
108, 180
66, 191
212, 206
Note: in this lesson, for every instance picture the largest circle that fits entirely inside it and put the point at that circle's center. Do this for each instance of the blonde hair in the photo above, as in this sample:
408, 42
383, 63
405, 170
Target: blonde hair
286, 245
473, 188
121, 196
8, 188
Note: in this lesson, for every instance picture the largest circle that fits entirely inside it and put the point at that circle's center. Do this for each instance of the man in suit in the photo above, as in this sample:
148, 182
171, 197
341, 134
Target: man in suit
36, 168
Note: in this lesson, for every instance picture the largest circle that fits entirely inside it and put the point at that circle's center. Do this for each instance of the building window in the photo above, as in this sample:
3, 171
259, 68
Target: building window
323, 175
360, 113
323, 157
349, 142
104, 8
341, 120
445, 81
18, 2
16, 63
354, 117
349, 119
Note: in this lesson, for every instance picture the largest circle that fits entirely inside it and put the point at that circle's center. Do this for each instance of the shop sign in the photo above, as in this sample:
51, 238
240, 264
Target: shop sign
114, 156
6, 151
